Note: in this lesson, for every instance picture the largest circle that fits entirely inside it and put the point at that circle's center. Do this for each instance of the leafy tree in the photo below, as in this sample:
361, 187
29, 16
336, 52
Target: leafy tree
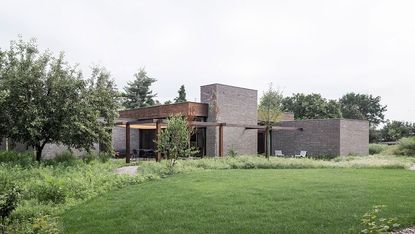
104, 98
138, 92
47, 101
269, 112
395, 130
174, 140
363, 106
182, 95
168, 102
311, 106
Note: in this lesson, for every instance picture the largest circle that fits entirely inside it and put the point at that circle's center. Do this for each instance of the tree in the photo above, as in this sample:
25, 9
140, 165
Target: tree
311, 106
269, 112
138, 92
104, 97
174, 140
47, 101
395, 130
182, 95
363, 106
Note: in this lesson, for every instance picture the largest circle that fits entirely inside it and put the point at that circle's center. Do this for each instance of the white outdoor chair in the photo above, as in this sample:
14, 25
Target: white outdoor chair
301, 155
279, 153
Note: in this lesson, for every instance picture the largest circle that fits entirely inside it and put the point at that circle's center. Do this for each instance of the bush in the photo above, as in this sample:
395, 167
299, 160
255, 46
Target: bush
377, 148
65, 157
88, 158
406, 147
51, 191
15, 158
372, 223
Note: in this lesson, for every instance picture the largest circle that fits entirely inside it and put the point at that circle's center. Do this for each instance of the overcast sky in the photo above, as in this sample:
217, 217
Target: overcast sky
328, 47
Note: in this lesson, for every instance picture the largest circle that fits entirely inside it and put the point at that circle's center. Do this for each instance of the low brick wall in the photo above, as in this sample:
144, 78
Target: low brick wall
328, 137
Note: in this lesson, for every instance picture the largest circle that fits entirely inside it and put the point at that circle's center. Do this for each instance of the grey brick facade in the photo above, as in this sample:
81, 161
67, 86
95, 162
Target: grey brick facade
329, 137
118, 138
231, 105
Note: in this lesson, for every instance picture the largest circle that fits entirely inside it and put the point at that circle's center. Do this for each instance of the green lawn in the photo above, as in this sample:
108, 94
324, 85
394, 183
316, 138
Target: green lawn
250, 201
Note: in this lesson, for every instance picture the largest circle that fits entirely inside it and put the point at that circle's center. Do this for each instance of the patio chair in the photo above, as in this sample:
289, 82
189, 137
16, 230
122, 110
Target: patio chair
301, 155
279, 153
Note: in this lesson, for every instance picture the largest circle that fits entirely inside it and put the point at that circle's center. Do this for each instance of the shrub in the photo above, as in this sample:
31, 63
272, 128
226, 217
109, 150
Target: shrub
8, 203
88, 158
232, 152
406, 147
372, 223
104, 157
65, 157
51, 191
15, 158
377, 148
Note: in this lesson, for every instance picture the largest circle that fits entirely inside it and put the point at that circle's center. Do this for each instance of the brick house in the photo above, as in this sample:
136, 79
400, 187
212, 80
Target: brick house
226, 119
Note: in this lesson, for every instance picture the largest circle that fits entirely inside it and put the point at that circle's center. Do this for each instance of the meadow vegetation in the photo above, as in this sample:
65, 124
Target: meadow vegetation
49, 189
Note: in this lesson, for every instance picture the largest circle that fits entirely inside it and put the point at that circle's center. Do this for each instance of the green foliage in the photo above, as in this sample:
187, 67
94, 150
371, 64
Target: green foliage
232, 152
363, 106
372, 223
269, 109
13, 158
8, 203
406, 147
51, 190
311, 106
182, 95
65, 157
375, 135
377, 148
138, 92
269, 112
395, 130
45, 100
175, 140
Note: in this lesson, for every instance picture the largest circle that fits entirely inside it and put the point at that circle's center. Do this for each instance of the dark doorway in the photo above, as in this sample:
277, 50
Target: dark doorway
198, 140
261, 142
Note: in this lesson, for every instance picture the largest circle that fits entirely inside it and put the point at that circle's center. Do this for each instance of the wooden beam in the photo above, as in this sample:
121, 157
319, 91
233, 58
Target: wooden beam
287, 128
158, 131
206, 124
127, 143
221, 140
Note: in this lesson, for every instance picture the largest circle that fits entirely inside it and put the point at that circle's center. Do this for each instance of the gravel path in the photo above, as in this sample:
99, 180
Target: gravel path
406, 231
129, 170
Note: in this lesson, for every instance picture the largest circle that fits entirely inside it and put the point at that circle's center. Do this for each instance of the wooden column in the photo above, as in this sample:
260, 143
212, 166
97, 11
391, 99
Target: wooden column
127, 143
158, 131
221, 140
266, 136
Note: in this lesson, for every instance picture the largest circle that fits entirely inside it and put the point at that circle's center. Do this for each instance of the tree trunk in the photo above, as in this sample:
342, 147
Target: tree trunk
38, 153
39, 149
7, 144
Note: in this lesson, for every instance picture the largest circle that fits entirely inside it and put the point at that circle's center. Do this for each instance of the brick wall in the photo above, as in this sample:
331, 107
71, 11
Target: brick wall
323, 137
319, 137
231, 105
118, 138
354, 137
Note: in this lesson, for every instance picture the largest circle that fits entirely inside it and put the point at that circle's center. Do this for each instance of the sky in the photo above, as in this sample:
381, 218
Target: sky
328, 47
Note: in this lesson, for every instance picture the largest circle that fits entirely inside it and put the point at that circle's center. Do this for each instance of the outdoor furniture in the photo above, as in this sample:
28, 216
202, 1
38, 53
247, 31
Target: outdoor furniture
301, 155
279, 153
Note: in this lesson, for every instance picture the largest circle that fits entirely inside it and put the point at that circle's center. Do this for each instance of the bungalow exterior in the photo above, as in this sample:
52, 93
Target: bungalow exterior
225, 120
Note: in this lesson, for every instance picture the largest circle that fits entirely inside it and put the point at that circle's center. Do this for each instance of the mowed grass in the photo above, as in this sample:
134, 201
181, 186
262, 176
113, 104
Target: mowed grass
250, 201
